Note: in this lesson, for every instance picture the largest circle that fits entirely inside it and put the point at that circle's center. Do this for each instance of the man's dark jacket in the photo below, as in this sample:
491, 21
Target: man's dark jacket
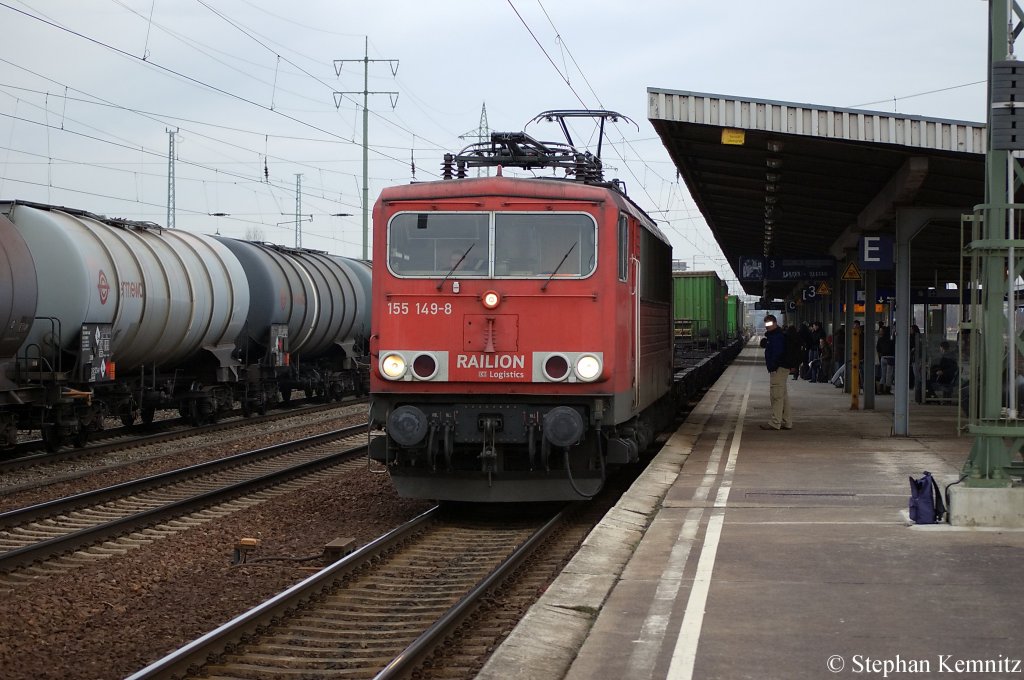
775, 350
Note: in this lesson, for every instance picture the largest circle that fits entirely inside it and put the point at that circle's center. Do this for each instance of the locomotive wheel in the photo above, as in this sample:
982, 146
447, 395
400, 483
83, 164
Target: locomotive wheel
52, 437
147, 415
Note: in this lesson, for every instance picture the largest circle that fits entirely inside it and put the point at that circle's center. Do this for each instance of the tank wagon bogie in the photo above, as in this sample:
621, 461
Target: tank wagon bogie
522, 331
112, 317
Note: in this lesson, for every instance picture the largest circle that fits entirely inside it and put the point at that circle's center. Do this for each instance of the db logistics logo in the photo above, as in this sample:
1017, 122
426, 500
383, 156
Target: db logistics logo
103, 287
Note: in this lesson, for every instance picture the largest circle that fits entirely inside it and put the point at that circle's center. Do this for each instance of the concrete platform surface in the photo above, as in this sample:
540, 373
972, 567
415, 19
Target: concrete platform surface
744, 553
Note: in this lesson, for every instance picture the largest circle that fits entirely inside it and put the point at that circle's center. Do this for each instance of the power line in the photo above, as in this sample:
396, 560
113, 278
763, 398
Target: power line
206, 50
144, 151
163, 118
919, 94
252, 35
190, 79
580, 99
545, 52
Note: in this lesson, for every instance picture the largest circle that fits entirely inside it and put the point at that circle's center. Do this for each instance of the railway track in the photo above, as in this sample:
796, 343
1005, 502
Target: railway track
377, 612
32, 454
94, 525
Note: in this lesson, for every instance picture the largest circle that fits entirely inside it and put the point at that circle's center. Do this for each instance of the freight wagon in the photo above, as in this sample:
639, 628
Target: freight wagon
699, 310
110, 317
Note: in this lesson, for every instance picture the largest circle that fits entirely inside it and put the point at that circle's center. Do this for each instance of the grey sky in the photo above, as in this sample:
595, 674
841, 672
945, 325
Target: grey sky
250, 82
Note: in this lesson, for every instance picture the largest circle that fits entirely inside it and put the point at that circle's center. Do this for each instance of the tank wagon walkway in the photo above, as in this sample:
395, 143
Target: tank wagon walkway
743, 553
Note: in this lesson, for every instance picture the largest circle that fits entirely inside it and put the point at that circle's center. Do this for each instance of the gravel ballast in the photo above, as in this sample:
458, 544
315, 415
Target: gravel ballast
112, 618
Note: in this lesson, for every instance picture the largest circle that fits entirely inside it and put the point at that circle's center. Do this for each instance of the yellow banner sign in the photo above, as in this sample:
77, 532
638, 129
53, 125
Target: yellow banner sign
733, 136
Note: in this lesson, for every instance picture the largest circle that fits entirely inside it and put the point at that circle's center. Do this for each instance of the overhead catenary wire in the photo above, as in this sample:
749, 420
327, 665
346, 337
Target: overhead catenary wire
187, 78
579, 98
319, 167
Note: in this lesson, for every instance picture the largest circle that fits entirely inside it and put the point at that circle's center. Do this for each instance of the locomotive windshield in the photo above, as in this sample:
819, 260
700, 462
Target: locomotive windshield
501, 245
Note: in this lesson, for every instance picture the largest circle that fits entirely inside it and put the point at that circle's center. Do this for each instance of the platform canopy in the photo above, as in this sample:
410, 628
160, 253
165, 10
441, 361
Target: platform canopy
785, 180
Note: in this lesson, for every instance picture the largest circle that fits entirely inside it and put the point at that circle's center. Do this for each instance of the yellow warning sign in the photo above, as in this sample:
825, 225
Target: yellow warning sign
733, 136
824, 288
851, 273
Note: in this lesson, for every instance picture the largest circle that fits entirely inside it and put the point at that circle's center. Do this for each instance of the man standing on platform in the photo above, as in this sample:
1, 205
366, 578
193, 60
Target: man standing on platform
778, 373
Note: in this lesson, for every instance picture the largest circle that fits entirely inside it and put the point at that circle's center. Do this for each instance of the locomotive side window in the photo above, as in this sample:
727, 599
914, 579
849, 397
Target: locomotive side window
435, 244
623, 247
530, 245
656, 273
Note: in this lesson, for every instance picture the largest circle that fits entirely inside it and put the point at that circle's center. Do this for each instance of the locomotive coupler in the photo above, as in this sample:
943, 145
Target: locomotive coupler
432, 446
532, 428
545, 454
449, 443
489, 455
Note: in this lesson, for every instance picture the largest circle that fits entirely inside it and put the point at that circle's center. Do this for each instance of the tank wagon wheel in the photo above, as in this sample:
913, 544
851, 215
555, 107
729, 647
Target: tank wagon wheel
246, 408
195, 414
8, 435
147, 413
128, 419
52, 438
286, 395
261, 408
81, 437
309, 392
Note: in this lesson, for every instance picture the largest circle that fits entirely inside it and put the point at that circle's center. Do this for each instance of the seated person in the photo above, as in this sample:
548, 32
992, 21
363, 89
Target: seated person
943, 372
470, 263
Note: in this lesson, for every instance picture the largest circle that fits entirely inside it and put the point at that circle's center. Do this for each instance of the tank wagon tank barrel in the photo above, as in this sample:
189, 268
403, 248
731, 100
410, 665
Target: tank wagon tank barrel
322, 299
18, 298
166, 294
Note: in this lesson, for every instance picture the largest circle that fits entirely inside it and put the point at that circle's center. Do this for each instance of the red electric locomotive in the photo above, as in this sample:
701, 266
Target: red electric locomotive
522, 332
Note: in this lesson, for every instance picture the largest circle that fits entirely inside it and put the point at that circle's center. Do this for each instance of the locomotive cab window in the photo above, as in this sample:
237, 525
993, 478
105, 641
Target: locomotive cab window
525, 245
437, 244
529, 245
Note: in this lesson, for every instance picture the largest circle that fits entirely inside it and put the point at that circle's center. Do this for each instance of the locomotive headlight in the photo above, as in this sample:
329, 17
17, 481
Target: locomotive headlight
556, 367
424, 367
393, 366
491, 299
588, 367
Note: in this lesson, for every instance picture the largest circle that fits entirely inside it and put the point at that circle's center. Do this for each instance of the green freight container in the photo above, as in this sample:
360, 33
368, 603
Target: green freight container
699, 308
734, 317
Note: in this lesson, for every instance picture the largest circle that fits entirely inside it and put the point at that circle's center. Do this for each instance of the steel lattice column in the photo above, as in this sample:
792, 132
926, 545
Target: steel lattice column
995, 351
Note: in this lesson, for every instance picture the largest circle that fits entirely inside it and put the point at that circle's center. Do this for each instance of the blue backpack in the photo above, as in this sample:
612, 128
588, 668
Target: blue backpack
926, 505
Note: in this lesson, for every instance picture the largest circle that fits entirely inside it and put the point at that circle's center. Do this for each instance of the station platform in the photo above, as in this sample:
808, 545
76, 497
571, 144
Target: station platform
744, 553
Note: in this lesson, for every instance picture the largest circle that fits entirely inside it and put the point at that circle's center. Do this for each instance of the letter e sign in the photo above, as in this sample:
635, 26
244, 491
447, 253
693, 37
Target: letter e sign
876, 251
